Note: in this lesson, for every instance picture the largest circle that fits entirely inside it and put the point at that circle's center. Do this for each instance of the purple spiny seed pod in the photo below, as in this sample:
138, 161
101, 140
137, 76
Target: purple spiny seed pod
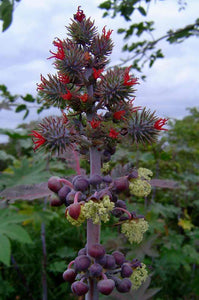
119, 257
63, 192
126, 270
69, 275
110, 262
124, 285
95, 270
82, 263
106, 286
54, 184
79, 288
96, 251
107, 179
121, 184
95, 179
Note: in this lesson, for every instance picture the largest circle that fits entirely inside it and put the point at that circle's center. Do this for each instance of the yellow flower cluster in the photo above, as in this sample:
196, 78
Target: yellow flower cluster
77, 222
134, 229
105, 168
98, 211
140, 186
138, 276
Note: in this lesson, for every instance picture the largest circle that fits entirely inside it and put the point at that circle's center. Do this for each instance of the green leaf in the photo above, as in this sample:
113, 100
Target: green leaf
28, 98
20, 108
5, 250
4, 156
105, 5
142, 10
6, 10
15, 232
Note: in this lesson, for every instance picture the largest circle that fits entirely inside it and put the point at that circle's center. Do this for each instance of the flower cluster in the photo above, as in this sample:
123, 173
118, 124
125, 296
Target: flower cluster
140, 186
134, 229
138, 276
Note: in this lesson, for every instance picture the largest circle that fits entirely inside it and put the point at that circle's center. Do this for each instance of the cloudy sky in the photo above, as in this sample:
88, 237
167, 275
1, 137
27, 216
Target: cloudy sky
172, 84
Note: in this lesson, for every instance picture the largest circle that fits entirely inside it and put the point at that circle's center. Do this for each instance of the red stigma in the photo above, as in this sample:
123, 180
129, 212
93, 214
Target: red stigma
160, 123
38, 139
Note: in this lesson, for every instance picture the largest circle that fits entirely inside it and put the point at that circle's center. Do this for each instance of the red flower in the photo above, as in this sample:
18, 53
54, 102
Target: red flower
60, 51
42, 84
128, 80
118, 115
84, 97
95, 123
160, 123
79, 16
113, 134
97, 73
38, 139
106, 35
67, 96
63, 78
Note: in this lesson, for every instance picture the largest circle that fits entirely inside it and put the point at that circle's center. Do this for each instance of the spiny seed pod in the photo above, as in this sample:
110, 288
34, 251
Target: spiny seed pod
95, 179
110, 262
80, 183
82, 263
119, 257
106, 286
54, 184
95, 270
79, 288
63, 192
121, 184
69, 275
74, 210
126, 270
124, 285
96, 251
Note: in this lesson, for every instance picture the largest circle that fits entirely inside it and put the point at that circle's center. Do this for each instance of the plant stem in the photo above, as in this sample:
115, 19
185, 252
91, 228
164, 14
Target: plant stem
93, 230
44, 257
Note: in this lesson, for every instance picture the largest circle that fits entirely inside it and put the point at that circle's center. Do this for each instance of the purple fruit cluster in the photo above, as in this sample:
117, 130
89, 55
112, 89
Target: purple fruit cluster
108, 270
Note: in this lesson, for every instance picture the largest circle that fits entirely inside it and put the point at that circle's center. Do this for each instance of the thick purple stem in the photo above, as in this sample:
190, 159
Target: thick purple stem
93, 230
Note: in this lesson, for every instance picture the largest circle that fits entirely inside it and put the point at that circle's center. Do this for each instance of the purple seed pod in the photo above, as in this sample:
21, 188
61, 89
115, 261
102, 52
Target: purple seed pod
69, 275
96, 251
121, 184
70, 197
126, 270
82, 263
123, 218
124, 285
82, 251
80, 183
79, 288
95, 179
101, 260
136, 263
95, 270
63, 192
134, 174
119, 257
54, 201
74, 210
106, 286
107, 179
54, 184
110, 262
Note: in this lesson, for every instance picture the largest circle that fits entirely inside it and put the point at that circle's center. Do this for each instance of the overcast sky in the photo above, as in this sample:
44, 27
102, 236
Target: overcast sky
172, 84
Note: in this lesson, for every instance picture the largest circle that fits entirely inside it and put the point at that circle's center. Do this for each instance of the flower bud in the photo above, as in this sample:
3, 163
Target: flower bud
124, 285
110, 262
121, 184
69, 275
74, 210
95, 179
106, 286
126, 270
79, 288
119, 257
82, 263
55, 201
80, 183
63, 192
95, 270
96, 251
54, 184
